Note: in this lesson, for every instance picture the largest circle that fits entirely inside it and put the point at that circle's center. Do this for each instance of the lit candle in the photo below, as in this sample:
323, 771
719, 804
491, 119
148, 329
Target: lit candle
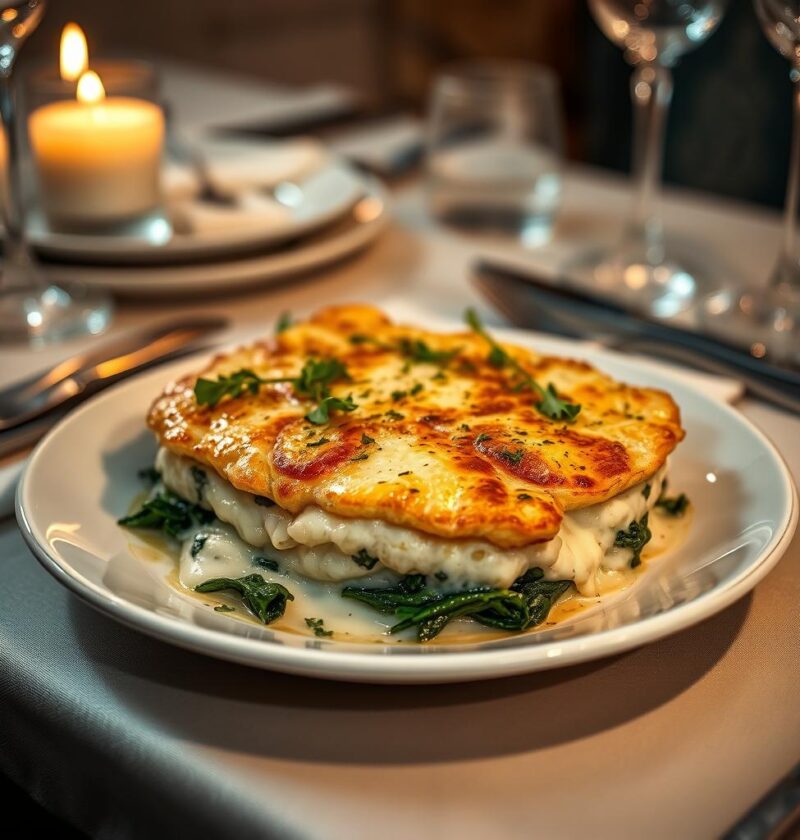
97, 159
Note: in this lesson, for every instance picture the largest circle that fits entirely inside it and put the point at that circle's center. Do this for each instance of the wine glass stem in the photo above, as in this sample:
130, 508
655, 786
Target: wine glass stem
789, 266
651, 92
16, 255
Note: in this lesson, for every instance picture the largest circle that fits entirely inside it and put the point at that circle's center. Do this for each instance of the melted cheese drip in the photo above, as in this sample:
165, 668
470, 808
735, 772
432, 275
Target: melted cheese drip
321, 545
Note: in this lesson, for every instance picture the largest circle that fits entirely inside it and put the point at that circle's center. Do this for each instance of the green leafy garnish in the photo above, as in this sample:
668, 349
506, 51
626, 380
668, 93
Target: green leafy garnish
224, 608
313, 383
318, 626
365, 559
210, 391
319, 442
525, 604
549, 403
418, 351
322, 413
673, 505
169, 513
283, 323
512, 457
366, 439
200, 481
266, 600
635, 538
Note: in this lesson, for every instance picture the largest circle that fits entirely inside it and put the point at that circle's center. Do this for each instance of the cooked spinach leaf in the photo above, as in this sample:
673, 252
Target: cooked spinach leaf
526, 604
635, 538
363, 558
167, 512
673, 505
200, 481
266, 563
266, 600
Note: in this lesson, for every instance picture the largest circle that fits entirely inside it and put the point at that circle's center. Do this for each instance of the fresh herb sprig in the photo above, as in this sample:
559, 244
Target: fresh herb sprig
168, 513
549, 403
266, 600
525, 604
312, 383
318, 626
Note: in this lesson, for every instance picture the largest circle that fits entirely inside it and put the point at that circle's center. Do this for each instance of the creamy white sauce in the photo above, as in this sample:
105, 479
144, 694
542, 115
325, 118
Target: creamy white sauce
321, 545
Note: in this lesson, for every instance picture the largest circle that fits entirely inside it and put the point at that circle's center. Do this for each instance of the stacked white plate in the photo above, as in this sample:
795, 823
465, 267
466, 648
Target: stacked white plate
293, 207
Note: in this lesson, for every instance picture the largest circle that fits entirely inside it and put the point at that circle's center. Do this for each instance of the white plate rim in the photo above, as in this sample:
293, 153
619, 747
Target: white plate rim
182, 250
433, 667
231, 275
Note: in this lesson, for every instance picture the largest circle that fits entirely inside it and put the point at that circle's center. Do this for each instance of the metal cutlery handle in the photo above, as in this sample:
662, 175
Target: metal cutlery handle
45, 391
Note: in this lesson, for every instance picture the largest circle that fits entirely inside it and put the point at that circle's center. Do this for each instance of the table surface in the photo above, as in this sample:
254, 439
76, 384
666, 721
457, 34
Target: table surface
123, 735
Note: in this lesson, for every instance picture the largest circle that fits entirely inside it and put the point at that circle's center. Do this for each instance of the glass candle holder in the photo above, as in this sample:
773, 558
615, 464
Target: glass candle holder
97, 161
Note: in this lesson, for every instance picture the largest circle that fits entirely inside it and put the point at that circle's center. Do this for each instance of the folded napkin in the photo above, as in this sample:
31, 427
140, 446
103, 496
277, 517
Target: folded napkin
246, 171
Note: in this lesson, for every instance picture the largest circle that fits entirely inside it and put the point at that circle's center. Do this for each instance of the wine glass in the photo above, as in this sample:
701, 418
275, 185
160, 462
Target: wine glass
766, 319
654, 35
30, 308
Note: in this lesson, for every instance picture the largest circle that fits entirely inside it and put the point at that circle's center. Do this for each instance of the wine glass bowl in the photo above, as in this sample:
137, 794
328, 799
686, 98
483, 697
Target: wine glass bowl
642, 268
658, 30
766, 319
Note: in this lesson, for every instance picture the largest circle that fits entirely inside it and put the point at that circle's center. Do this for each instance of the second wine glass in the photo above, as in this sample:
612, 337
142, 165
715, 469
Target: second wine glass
654, 34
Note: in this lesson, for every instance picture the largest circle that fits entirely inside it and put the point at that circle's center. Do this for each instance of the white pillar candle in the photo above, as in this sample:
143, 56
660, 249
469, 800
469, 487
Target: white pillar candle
97, 161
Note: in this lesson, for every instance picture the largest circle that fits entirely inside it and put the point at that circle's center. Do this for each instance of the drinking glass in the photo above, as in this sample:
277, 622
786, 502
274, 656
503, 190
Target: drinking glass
494, 149
766, 319
30, 308
654, 35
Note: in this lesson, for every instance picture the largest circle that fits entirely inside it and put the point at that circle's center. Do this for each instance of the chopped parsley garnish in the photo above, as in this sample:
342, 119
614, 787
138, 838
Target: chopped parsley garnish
320, 442
365, 559
313, 383
482, 437
318, 626
418, 351
525, 604
224, 608
635, 538
549, 403
266, 600
417, 389
366, 439
512, 457
361, 457
399, 395
283, 323
673, 505
394, 415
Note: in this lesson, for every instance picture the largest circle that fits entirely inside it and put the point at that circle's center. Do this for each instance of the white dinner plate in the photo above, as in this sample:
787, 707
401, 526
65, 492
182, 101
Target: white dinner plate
190, 230
354, 231
83, 476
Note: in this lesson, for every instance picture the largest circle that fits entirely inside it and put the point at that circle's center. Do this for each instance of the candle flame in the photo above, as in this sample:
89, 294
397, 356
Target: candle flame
74, 56
90, 88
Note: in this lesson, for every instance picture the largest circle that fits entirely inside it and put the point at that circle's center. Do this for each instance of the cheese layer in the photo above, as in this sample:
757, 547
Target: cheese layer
441, 441
321, 545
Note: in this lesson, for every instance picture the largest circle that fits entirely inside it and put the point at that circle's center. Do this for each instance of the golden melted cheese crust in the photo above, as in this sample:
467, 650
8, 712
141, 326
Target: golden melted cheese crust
463, 456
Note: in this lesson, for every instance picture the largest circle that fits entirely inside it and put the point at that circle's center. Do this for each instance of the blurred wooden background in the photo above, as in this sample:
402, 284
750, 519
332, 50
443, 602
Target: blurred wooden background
729, 131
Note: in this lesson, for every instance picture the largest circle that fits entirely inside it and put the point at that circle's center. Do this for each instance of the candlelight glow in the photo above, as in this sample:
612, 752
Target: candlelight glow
90, 88
74, 56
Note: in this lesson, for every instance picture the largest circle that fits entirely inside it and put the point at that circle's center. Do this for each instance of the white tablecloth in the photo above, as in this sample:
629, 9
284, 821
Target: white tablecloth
126, 736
